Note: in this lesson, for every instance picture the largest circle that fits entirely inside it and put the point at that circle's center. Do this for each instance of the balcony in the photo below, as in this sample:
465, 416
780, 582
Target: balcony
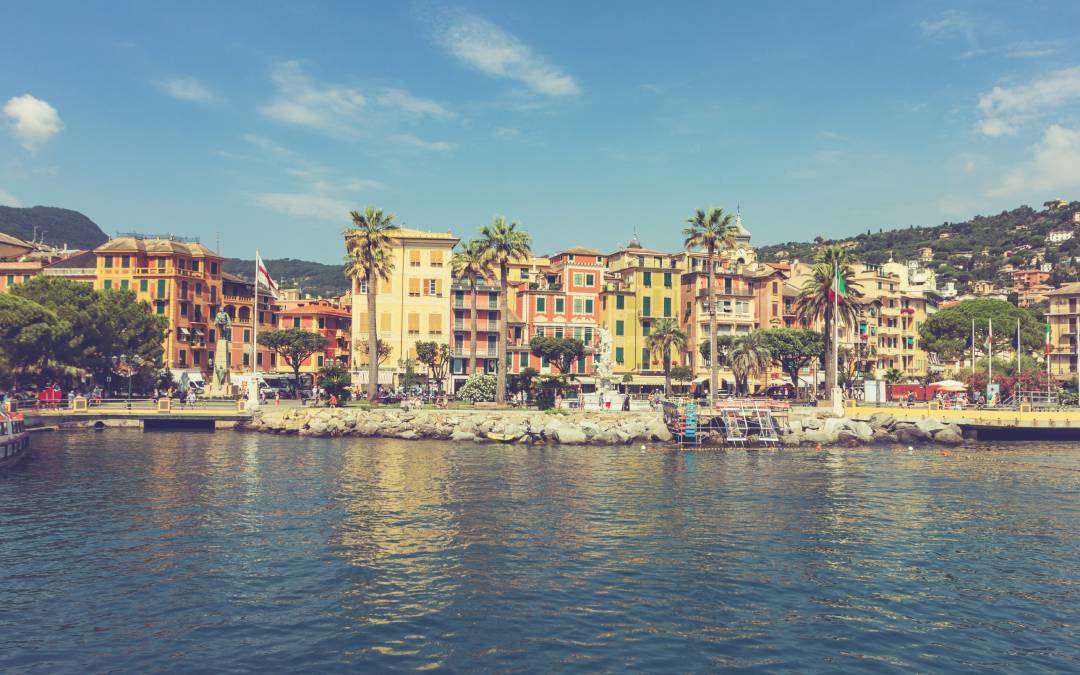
69, 271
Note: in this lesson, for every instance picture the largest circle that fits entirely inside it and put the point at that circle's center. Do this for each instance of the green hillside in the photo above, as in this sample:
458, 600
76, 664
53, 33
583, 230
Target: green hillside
55, 226
971, 250
312, 277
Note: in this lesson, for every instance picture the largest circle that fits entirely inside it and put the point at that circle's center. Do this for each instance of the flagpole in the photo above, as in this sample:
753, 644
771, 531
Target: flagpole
253, 386
989, 354
973, 356
837, 396
1018, 365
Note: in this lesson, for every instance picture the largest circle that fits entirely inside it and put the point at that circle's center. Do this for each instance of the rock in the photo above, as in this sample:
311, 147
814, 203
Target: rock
883, 436
794, 426
911, 434
569, 435
931, 426
408, 434
847, 437
811, 423
459, 435
819, 436
949, 436
793, 439
863, 431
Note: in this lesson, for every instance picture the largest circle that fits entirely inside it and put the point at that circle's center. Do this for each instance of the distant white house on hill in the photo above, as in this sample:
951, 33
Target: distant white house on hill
1058, 236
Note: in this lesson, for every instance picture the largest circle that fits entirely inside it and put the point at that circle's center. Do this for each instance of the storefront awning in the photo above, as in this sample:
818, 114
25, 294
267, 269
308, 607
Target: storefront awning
386, 377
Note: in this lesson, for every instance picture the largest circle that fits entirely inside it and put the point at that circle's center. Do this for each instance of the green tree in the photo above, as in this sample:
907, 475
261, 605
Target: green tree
385, 349
101, 324
561, 353
682, 373
749, 357
948, 332
711, 230
815, 300
294, 346
28, 333
502, 243
471, 264
724, 344
894, 376
368, 244
437, 358
665, 338
793, 349
334, 378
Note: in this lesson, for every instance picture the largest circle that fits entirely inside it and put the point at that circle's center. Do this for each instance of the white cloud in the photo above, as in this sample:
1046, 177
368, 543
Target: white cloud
406, 102
506, 133
951, 24
333, 109
8, 199
420, 144
1054, 165
186, 89
1005, 109
35, 121
304, 205
484, 46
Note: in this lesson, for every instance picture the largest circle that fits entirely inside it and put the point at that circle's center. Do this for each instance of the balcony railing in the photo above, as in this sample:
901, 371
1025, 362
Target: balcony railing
69, 271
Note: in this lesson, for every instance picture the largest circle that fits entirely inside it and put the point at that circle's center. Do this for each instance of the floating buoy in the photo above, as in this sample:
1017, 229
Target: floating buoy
910, 449
818, 448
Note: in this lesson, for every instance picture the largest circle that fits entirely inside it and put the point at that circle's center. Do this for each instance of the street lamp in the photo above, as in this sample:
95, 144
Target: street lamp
126, 366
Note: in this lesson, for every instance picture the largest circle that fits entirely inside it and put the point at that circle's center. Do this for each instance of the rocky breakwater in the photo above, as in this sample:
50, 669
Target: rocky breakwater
880, 428
467, 425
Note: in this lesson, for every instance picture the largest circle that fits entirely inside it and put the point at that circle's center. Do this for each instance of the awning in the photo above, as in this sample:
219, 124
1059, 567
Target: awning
199, 333
185, 331
386, 377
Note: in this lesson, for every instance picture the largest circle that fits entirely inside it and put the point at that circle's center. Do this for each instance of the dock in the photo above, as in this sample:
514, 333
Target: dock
1020, 423
150, 414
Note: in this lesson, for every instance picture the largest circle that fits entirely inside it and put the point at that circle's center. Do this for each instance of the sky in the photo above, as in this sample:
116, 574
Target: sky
261, 124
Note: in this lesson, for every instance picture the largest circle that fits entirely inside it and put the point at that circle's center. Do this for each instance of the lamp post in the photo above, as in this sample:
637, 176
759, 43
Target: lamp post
126, 366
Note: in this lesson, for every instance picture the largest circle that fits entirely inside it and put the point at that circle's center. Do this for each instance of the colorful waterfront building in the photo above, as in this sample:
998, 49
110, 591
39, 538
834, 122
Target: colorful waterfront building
238, 301
562, 301
413, 306
179, 278
326, 318
1063, 316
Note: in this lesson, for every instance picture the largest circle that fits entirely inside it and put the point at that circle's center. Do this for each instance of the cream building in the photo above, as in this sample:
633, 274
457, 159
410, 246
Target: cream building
413, 306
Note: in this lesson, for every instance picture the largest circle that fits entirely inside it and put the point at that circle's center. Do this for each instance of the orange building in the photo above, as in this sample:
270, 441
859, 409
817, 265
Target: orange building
238, 301
325, 318
180, 279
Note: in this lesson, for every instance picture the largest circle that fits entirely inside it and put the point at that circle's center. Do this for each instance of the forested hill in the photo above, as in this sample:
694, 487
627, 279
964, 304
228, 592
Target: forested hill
312, 277
54, 226
966, 251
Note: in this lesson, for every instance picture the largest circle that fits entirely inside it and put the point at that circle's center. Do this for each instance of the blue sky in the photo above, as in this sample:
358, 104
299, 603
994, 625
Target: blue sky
263, 123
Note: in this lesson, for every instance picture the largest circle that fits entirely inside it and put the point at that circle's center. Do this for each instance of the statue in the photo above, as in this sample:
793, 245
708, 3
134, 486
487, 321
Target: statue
604, 371
220, 387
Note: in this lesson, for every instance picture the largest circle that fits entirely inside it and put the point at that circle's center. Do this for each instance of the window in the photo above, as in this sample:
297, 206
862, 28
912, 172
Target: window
198, 289
589, 305
589, 279
247, 335
144, 285
620, 302
414, 323
579, 306
644, 358
588, 336
123, 284
11, 280
296, 322
196, 356
558, 331
434, 287
198, 312
775, 288
125, 261
646, 279
523, 360
108, 262
619, 357
646, 327
727, 285
667, 279
579, 278
775, 309
581, 365
322, 322
560, 305
667, 308
247, 360
540, 301
646, 306
619, 327
160, 306
493, 300
161, 264
273, 359
414, 287
436, 259
194, 265
540, 331
318, 360
182, 359
434, 324
108, 284
414, 258
213, 270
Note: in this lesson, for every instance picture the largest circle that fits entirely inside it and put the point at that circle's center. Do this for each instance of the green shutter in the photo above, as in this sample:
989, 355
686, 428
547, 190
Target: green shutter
618, 355
667, 307
144, 285
559, 305
646, 326
589, 306
647, 278
161, 288
667, 279
646, 307
619, 327
123, 284
620, 302
644, 358
540, 304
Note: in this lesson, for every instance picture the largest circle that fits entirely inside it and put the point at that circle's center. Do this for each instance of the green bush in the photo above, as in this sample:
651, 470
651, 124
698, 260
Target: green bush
479, 387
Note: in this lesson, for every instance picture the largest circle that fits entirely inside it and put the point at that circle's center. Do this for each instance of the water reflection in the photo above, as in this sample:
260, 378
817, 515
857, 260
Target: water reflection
133, 551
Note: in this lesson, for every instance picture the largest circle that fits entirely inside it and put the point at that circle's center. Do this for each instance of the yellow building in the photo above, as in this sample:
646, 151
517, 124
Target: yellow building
1063, 315
180, 279
413, 306
640, 288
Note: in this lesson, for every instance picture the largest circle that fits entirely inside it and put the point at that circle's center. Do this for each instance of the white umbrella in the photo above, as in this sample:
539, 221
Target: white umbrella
948, 383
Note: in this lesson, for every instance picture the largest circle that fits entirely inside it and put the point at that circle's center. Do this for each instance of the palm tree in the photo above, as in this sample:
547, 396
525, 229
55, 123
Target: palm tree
502, 243
894, 376
471, 264
665, 337
369, 244
711, 230
749, 356
815, 299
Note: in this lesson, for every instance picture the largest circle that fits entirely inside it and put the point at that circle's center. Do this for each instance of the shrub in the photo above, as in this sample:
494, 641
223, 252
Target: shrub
479, 387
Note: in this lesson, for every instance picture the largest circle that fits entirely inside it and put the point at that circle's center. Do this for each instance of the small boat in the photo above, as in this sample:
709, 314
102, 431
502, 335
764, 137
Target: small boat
14, 440
501, 438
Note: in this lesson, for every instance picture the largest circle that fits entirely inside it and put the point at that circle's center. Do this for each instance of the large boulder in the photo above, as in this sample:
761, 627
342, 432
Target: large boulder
863, 431
569, 434
950, 435
931, 426
459, 435
906, 433
819, 436
811, 423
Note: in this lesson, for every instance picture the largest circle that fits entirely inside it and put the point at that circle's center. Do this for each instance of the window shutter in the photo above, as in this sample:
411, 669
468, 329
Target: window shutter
362, 319
385, 322
435, 323
414, 323
414, 258
436, 258
414, 286
438, 287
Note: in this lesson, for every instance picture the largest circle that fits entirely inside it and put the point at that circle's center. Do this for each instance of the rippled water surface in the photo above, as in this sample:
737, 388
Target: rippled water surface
131, 551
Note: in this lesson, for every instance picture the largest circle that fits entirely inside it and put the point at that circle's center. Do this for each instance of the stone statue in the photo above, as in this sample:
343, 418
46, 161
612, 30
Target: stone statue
220, 387
604, 370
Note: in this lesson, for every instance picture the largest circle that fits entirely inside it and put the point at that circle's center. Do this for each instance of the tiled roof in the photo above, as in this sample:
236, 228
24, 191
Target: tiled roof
1068, 289
409, 233
133, 244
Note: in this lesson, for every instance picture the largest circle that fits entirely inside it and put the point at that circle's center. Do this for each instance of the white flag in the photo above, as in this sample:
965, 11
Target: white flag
263, 276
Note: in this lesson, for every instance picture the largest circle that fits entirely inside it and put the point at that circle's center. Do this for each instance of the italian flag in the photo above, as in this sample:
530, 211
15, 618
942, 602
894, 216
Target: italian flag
838, 291
1048, 338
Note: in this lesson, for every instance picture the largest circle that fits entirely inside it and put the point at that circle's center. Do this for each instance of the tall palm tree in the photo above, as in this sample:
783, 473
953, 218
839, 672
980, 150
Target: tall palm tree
894, 376
711, 230
369, 243
664, 338
471, 265
502, 243
815, 299
749, 356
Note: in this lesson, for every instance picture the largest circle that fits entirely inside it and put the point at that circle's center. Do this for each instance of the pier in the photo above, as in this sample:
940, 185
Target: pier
987, 423
162, 414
